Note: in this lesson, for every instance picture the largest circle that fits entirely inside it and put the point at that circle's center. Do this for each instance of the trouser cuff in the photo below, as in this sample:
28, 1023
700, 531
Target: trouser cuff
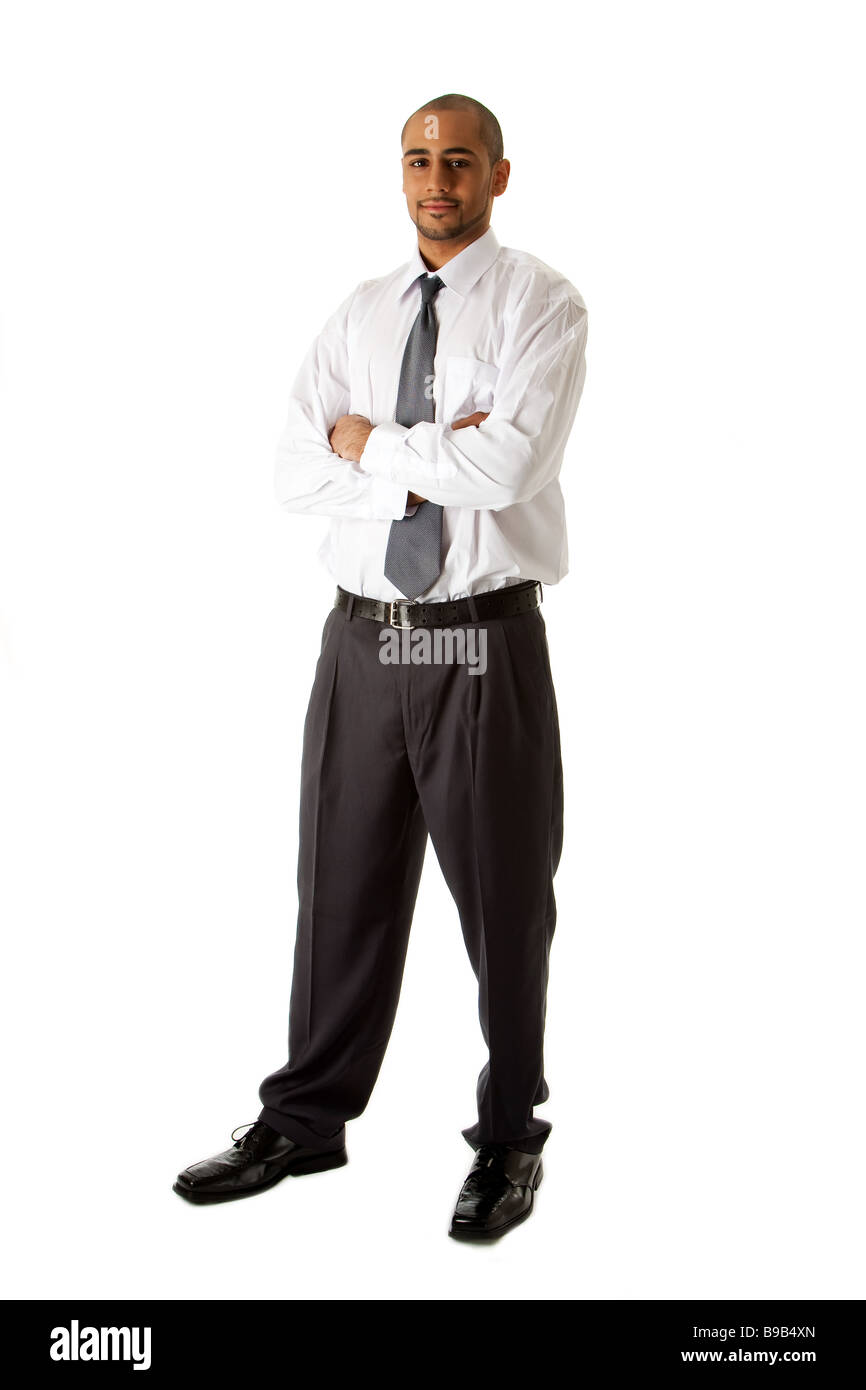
301, 1134
531, 1143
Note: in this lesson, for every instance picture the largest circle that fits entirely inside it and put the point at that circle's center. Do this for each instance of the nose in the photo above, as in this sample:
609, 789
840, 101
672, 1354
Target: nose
440, 187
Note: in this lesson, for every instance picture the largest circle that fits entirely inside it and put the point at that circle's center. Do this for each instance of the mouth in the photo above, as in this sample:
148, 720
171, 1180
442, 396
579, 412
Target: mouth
438, 207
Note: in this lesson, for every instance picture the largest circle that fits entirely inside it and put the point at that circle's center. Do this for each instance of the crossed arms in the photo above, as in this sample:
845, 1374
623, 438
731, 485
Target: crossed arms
351, 433
333, 463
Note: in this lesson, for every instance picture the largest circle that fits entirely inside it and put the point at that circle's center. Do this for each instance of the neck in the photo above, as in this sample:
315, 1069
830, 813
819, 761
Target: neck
435, 254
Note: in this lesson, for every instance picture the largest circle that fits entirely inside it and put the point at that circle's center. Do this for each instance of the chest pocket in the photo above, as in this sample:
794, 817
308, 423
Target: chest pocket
469, 386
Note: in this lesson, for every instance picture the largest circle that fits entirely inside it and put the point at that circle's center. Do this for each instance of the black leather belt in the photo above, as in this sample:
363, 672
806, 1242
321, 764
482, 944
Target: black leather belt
496, 603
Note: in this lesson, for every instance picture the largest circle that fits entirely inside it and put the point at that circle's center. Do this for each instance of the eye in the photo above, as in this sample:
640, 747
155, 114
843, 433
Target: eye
416, 163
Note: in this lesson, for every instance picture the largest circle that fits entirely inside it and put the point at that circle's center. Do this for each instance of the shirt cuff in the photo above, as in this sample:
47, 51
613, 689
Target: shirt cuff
382, 448
387, 499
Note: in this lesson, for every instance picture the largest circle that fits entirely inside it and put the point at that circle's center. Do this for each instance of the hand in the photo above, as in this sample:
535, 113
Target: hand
349, 436
413, 498
475, 419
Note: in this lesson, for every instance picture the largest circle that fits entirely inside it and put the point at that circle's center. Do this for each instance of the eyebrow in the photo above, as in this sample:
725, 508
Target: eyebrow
455, 149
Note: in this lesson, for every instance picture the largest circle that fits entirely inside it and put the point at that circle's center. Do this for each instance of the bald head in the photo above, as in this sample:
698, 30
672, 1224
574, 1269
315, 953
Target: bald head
489, 130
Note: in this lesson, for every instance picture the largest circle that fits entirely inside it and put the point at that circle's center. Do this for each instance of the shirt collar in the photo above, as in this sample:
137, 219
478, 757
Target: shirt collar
461, 272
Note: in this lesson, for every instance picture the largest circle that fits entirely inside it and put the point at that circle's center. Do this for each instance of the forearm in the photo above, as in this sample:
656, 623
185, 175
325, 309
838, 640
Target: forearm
506, 458
314, 480
488, 467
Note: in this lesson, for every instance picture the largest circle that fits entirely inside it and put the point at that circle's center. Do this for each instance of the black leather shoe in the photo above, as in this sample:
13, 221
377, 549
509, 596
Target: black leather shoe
256, 1161
498, 1193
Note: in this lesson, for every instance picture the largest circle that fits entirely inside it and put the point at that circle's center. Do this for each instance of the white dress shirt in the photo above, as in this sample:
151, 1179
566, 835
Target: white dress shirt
511, 340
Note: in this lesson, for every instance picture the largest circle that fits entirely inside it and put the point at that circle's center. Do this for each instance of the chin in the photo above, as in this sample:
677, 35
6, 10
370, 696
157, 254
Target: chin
437, 233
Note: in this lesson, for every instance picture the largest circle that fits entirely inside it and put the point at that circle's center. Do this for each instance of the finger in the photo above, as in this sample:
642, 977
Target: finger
474, 419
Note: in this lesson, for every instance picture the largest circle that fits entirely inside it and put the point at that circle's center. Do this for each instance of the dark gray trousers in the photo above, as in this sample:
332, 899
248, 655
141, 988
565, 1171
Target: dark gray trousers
390, 753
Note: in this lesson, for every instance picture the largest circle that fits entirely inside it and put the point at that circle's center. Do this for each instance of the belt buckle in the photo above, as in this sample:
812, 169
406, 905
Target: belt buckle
394, 603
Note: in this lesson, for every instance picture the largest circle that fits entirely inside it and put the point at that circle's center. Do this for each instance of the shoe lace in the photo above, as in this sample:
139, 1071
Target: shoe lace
487, 1171
252, 1125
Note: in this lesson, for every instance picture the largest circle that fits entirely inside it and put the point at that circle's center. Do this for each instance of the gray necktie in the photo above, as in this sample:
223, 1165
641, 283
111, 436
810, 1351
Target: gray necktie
413, 558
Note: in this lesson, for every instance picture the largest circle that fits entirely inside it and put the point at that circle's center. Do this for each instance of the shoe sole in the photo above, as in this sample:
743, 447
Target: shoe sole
472, 1233
322, 1164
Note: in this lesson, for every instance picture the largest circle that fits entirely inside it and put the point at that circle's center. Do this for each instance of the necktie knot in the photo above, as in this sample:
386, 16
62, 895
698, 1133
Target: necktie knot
430, 285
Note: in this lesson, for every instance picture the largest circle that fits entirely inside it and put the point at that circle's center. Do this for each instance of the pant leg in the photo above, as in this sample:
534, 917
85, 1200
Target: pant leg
485, 751
362, 840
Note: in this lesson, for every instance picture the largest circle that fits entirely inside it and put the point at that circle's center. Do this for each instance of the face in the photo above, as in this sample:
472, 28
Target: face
447, 178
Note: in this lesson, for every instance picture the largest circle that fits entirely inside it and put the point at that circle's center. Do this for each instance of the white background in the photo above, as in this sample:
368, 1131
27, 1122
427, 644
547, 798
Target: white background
188, 191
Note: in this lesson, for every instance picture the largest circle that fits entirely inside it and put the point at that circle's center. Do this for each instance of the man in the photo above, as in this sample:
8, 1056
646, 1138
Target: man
446, 519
